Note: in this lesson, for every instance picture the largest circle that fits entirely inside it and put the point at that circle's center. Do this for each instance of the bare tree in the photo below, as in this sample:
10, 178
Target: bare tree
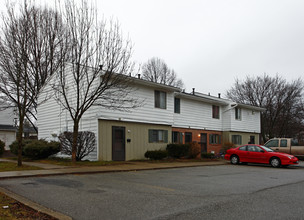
85, 143
98, 69
284, 115
30, 48
156, 70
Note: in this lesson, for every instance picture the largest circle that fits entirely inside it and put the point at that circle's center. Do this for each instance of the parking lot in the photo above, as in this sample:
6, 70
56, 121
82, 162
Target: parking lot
209, 192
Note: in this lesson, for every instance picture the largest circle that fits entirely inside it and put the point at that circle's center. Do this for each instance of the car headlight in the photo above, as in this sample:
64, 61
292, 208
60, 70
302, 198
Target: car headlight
290, 157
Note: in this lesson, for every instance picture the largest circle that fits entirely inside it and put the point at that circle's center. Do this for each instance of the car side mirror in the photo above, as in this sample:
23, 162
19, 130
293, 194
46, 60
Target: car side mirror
262, 151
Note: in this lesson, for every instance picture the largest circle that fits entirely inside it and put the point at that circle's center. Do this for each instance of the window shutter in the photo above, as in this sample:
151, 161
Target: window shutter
219, 139
150, 136
210, 138
166, 136
157, 99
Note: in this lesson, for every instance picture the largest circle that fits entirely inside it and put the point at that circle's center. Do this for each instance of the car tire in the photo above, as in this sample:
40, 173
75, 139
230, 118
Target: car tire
275, 162
234, 159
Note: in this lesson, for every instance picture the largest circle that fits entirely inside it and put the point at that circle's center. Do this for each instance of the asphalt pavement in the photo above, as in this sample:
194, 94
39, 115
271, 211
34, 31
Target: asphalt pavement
202, 192
53, 170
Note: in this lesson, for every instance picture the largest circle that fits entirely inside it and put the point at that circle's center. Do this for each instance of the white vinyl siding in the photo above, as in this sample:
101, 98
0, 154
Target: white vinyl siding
146, 113
197, 115
7, 116
250, 122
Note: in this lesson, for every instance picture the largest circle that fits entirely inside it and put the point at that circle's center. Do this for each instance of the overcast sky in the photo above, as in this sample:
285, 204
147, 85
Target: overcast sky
210, 43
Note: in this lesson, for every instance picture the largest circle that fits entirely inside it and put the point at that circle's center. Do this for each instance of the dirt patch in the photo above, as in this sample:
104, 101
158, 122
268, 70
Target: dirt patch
12, 209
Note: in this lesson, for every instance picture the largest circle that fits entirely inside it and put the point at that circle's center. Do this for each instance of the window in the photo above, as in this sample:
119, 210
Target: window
294, 142
214, 139
244, 148
253, 148
176, 105
188, 137
177, 137
157, 136
237, 139
215, 111
252, 140
238, 113
272, 143
283, 143
160, 99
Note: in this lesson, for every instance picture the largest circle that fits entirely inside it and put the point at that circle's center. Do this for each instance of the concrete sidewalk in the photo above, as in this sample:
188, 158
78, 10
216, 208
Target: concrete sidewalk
49, 169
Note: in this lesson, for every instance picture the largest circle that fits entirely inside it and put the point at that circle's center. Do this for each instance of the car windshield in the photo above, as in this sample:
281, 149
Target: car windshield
266, 149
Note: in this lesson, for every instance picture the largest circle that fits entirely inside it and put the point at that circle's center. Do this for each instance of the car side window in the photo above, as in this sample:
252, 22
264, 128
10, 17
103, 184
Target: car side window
283, 143
251, 148
272, 143
258, 149
243, 148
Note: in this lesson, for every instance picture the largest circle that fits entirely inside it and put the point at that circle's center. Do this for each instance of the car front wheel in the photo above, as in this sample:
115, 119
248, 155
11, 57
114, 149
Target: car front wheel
234, 159
275, 162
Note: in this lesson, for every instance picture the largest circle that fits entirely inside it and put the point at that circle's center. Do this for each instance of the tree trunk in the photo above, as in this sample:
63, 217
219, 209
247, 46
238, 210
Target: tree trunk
20, 140
75, 135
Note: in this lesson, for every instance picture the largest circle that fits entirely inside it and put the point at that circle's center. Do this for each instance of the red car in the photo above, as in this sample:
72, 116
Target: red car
253, 153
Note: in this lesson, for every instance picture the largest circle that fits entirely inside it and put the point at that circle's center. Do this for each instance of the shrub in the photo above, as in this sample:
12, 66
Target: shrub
207, 155
194, 150
178, 150
40, 149
227, 145
14, 146
2, 145
85, 143
156, 154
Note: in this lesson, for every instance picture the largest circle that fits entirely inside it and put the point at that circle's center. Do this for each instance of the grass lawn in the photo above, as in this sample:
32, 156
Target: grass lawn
12, 209
10, 166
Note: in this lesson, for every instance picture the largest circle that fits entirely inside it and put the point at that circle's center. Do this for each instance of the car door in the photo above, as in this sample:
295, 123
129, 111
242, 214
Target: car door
243, 154
256, 154
273, 144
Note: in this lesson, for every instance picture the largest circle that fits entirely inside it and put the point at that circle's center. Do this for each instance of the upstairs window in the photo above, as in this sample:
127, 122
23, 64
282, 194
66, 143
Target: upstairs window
160, 99
215, 111
238, 113
176, 105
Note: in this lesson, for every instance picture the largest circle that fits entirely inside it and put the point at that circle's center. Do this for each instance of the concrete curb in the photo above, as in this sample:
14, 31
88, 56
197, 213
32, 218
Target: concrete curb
34, 205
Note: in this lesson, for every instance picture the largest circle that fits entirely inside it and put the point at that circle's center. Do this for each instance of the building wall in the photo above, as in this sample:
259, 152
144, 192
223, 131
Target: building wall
227, 137
197, 115
250, 121
146, 113
7, 137
7, 116
138, 133
196, 137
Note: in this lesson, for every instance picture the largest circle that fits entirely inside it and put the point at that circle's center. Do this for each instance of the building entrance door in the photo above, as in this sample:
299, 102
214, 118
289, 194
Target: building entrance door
118, 144
203, 142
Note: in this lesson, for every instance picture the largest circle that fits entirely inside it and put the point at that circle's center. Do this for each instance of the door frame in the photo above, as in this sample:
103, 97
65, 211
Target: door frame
204, 149
123, 157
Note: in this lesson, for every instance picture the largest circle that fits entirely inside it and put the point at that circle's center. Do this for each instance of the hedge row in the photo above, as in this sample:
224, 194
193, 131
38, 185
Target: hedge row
36, 149
191, 150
